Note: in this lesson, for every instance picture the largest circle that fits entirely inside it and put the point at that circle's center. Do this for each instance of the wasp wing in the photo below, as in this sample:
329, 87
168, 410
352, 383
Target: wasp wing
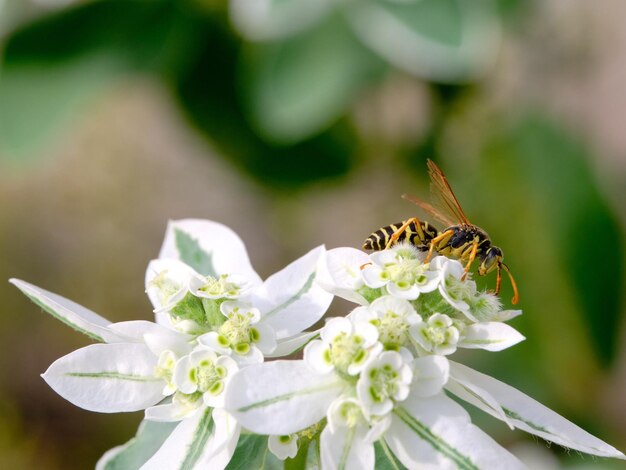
429, 209
441, 189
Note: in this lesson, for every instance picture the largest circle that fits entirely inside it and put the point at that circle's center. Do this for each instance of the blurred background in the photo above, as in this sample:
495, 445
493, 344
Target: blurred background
286, 119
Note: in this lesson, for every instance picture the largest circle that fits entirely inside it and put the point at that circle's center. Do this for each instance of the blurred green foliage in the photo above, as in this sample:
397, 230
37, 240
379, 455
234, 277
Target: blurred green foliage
284, 109
277, 108
549, 170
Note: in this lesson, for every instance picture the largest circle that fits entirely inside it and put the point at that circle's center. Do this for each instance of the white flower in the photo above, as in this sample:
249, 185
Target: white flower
385, 381
392, 317
438, 335
283, 446
401, 271
345, 347
213, 312
215, 272
394, 396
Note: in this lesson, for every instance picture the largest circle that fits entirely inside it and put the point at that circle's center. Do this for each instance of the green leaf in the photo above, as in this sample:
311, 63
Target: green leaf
440, 40
252, 452
385, 459
560, 201
210, 92
299, 86
56, 67
150, 436
192, 254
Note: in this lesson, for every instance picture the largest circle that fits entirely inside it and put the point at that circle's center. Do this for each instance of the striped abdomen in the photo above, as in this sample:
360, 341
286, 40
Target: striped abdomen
418, 235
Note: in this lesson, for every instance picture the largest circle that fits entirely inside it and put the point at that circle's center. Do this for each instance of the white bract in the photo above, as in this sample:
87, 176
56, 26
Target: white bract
374, 383
214, 316
378, 376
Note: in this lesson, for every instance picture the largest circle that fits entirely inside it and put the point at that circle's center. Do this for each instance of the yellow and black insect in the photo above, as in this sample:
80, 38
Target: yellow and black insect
461, 239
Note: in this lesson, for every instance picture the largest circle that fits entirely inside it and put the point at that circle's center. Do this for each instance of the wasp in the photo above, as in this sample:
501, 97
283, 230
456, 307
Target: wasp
461, 239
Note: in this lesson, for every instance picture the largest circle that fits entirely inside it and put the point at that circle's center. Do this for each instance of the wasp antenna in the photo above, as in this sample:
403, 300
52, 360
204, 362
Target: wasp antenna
515, 298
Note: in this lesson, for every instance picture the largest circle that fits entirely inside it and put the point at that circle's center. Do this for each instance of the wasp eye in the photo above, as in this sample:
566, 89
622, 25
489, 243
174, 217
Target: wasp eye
492, 258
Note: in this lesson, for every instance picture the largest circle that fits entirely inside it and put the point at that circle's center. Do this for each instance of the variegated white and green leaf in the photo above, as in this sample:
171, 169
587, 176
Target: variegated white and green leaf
293, 343
205, 440
208, 247
281, 397
150, 436
437, 433
107, 378
72, 314
346, 448
290, 300
492, 336
531, 416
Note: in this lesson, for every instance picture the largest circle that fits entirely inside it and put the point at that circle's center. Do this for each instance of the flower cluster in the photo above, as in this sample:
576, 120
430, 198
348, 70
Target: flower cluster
384, 366
214, 316
372, 386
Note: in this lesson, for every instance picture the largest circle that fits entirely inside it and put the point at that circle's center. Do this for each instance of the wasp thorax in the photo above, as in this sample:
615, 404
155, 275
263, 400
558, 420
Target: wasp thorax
491, 260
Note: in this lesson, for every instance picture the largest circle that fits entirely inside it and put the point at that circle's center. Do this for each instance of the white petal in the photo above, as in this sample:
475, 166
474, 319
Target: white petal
367, 331
411, 293
437, 433
419, 332
340, 273
280, 397
335, 326
362, 314
281, 449
506, 315
210, 340
387, 303
315, 355
107, 378
174, 272
231, 306
169, 412
379, 428
181, 376
372, 276
383, 257
208, 247
157, 337
346, 448
430, 375
533, 417
76, 316
438, 263
291, 300
267, 338
432, 282
290, 345
492, 336
196, 441
254, 356
341, 269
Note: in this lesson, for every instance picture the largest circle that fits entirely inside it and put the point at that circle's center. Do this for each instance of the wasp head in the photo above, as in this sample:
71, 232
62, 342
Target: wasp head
491, 260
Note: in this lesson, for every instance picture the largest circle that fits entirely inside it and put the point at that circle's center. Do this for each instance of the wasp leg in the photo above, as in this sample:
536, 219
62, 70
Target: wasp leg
498, 280
472, 257
363, 266
436, 240
515, 298
395, 235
